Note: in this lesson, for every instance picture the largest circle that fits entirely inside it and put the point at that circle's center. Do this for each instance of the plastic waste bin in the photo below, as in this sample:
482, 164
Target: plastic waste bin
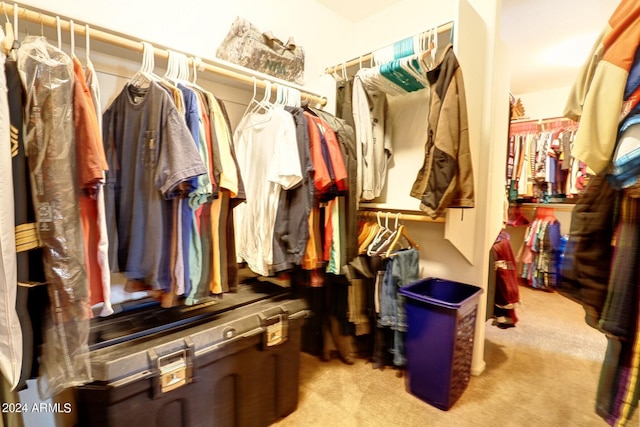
441, 318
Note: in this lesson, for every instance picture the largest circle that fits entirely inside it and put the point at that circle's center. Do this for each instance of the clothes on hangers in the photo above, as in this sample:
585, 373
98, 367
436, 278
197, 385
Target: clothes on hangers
539, 252
91, 165
12, 348
91, 81
402, 269
507, 295
47, 75
542, 163
598, 109
446, 177
267, 151
29, 257
374, 148
148, 144
212, 255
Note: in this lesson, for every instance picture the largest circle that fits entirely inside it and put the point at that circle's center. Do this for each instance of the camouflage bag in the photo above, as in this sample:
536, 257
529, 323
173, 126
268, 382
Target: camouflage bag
245, 45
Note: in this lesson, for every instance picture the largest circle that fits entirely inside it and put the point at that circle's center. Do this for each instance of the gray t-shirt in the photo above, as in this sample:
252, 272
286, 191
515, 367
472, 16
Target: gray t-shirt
151, 157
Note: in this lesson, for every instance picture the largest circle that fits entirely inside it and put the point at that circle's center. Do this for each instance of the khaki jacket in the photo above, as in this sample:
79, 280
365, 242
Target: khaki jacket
446, 177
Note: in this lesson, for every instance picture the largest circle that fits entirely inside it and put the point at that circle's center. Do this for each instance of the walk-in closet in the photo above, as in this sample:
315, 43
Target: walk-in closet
321, 212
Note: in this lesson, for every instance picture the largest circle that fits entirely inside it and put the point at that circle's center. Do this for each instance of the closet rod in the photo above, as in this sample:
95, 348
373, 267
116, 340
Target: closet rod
403, 216
356, 61
256, 78
542, 121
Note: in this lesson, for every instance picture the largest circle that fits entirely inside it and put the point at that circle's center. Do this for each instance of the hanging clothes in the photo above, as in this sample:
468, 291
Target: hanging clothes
267, 151
619, 389
347, 140
11, 343
608, 66
229, 188
30, 270
47, 75
507, 295
91, 81
374, 148
152, 159
446, 177
402, 269
91, 165
291, 231
542, 163
586, 263
540, 251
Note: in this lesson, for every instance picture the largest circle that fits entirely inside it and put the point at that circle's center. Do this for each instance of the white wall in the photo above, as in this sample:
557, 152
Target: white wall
197, 27
544, 103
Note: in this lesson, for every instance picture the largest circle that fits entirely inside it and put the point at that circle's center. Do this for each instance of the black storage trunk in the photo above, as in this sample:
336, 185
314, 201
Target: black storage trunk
233, 363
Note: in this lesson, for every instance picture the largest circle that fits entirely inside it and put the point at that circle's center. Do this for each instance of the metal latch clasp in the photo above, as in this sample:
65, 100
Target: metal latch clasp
277, 329
173, 370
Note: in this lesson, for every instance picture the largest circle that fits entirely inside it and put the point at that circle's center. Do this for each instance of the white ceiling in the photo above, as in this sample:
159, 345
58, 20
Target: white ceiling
357, 10
547, 40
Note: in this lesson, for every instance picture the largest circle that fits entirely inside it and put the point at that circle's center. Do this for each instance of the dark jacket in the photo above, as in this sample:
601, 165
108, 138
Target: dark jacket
586, 264
446, 177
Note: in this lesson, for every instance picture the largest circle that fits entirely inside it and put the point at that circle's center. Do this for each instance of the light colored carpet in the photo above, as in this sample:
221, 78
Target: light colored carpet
544, 372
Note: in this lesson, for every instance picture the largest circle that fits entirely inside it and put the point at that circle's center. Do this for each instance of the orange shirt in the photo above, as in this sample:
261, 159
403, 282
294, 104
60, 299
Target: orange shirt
321, 178
90, 163
335, 154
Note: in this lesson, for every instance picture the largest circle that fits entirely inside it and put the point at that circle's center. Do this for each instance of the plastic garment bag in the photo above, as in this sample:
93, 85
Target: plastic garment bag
47, 75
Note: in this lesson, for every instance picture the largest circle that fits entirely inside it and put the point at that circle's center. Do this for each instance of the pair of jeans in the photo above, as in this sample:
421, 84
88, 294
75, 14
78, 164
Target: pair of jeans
401, 270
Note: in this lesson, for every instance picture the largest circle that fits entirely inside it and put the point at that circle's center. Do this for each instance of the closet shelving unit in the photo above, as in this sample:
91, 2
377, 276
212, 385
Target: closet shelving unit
361, 60
223, 69
540, 125
390, 203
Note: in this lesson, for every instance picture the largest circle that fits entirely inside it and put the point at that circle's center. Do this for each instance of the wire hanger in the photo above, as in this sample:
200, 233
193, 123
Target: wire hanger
401, 232
256, 106
377, 240
145, 73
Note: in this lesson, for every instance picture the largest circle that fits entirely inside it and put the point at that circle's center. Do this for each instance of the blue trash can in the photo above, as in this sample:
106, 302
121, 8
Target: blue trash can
441, 318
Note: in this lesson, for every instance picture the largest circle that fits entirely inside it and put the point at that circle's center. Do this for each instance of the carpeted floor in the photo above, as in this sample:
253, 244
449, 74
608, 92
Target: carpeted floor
544, 372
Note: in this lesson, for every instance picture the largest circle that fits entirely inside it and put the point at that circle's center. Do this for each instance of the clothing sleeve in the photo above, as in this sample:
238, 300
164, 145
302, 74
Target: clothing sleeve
335, 154
178, 160
321, 178
90, 161
110, 190
465, 196
575, 102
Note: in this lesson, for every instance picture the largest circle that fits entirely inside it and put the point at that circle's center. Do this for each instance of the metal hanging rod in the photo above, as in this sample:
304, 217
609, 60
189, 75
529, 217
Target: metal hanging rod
543, 121
402, 216
448, 27
222, 68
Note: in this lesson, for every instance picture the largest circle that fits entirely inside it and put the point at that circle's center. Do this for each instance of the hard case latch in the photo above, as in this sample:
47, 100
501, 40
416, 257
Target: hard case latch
173, 370
277, 329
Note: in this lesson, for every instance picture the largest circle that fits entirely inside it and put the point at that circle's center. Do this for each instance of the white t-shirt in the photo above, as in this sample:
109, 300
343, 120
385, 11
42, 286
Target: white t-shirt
267, 153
